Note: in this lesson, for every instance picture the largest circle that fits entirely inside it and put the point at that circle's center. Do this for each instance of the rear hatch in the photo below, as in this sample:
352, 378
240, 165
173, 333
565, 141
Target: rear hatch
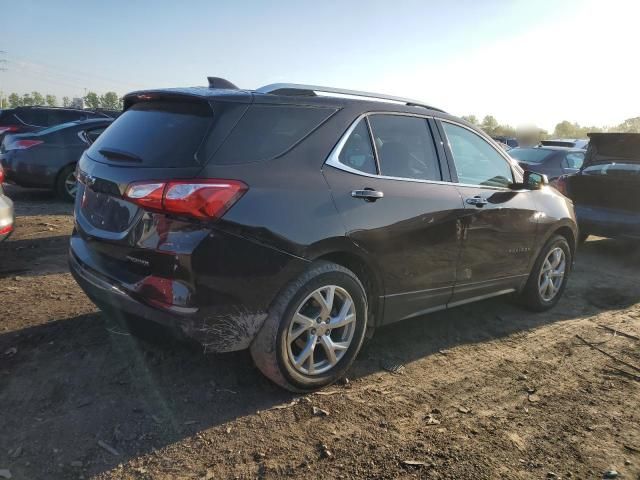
157, 140
610, 175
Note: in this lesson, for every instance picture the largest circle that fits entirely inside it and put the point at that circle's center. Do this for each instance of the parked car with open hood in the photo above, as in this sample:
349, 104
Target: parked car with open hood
293, 223
7, 216
606, 190
47, 158
551, 161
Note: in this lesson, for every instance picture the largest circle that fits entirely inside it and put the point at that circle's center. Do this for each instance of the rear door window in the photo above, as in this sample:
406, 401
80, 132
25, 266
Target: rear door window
405, 147
155, 134
268, 131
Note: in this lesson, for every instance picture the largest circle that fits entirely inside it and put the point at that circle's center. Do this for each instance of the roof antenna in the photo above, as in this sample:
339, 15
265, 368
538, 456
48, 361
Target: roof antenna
217, 82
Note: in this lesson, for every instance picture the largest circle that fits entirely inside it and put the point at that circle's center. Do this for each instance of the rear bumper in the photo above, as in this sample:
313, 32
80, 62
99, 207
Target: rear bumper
607, 222
27, 172
7, 216
230, 304
224, 332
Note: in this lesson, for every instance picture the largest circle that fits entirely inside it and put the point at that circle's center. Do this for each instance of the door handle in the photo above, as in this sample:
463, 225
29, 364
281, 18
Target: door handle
368, 194
478, 201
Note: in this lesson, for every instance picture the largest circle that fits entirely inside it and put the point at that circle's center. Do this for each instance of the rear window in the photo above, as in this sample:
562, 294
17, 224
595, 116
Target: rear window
268, 131
159, 134
530, 155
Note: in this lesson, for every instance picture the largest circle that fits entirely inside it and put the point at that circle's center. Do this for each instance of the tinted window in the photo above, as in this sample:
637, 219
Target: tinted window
531, 155
162, 134
267, 131
573, 160
476, 161
405, 147
357, 152
34, 116
93, 133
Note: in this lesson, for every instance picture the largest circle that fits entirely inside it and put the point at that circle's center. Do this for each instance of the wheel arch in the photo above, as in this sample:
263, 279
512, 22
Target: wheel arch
368, 276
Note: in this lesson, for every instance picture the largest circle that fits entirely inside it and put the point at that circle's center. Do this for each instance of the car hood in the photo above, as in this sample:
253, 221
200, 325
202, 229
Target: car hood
613, 147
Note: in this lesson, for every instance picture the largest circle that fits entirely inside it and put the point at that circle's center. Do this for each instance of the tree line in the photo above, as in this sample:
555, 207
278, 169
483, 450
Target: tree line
564, 129
108, 100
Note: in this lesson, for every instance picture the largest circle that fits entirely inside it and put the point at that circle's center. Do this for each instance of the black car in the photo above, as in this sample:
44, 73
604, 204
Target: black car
511, 142
294, 224
551, 161
33, 119
606, 190
47, 158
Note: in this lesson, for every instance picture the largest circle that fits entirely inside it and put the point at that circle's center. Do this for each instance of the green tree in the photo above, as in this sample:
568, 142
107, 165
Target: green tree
51, 100
566, 129
472, 119
110, 101
27, 100
630, 125
66, 101
14, 100
37, 97
92, 100
489, 124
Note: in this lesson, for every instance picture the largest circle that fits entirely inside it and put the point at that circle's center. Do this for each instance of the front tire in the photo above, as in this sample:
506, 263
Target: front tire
549, 275
314, 329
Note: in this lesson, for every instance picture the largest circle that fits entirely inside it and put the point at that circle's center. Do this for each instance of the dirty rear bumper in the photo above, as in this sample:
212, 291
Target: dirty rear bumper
223, 331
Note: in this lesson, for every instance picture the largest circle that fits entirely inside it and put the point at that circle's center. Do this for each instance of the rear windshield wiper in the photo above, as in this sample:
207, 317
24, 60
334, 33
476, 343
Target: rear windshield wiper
115, 154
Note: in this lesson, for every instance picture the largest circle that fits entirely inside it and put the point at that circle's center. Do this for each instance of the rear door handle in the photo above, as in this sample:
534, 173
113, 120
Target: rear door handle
478, 201
367, 194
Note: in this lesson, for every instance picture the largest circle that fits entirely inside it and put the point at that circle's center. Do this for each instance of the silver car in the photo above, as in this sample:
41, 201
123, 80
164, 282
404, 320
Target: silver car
7, 217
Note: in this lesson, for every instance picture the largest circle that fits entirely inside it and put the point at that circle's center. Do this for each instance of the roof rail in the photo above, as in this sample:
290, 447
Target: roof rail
298, 89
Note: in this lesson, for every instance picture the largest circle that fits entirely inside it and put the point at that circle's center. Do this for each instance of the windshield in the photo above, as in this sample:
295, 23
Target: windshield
530, 155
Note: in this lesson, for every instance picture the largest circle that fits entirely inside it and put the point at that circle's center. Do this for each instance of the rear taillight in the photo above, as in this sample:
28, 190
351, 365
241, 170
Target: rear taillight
9, 129
1, 175
6, 229
205, 199
23, 144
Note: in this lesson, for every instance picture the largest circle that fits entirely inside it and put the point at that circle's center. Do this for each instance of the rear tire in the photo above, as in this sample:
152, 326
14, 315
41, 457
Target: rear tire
338, 319
545, 285
63, 187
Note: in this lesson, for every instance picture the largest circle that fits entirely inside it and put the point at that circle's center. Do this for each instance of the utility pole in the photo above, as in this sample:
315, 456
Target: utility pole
3, 68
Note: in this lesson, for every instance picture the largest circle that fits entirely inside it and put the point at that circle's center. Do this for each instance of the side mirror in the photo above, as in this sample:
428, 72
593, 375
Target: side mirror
534, 181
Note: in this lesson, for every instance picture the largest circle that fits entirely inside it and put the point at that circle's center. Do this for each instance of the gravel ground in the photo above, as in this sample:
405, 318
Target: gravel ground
482, 391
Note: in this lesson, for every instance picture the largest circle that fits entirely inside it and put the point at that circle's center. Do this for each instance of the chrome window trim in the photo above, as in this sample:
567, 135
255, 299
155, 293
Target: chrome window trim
333, 159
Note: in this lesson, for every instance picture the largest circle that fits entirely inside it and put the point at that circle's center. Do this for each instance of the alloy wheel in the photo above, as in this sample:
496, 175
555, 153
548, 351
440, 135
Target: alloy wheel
552, 274
71, 184
321, 330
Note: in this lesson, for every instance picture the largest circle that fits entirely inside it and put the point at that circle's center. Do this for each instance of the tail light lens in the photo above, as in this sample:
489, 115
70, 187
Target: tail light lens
23, 144
9, 129
6, 229
1, 175
204, 199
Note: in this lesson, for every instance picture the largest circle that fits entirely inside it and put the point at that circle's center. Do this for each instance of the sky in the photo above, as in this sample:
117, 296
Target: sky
525, 62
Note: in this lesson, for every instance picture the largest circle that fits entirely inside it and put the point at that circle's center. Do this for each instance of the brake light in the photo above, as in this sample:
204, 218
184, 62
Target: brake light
1, 175
9, 128
5, 230
205, 199
23, 144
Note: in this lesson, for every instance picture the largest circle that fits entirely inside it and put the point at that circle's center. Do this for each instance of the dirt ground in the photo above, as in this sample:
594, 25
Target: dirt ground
482, 391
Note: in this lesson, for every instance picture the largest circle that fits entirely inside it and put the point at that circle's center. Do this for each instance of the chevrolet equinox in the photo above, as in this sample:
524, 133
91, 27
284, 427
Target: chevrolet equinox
293, 220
